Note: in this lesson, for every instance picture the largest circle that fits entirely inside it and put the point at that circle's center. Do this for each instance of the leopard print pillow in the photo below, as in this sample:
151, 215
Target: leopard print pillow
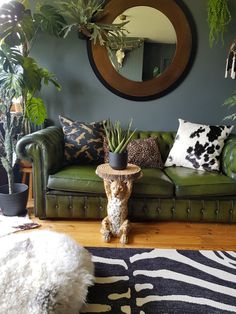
144, 153
83, 141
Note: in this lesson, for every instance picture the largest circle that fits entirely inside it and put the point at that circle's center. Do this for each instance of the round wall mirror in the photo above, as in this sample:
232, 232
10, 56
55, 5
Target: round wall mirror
153, 57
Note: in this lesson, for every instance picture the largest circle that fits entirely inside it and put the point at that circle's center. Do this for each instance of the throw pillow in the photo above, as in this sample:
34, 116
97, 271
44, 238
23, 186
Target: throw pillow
144, 153
198, 146
83, 141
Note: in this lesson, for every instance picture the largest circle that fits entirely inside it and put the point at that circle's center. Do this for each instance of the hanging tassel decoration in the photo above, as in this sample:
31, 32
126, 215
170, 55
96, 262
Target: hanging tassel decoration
233, 68
230, 69
226, 68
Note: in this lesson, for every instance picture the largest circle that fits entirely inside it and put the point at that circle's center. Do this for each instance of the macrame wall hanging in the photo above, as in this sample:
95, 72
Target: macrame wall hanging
230, 68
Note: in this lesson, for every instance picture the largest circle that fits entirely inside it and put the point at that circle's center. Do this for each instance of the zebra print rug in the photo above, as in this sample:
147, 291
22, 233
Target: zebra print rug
143, 281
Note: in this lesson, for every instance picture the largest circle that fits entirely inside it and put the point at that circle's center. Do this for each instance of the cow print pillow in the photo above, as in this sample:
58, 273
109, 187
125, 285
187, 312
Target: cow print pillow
198, 146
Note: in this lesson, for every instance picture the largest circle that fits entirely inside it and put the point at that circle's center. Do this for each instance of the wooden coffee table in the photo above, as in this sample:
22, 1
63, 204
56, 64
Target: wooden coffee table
118, 186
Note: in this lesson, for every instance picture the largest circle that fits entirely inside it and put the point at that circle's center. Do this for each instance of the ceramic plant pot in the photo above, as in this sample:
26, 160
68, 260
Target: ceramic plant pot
118, 161
14, 204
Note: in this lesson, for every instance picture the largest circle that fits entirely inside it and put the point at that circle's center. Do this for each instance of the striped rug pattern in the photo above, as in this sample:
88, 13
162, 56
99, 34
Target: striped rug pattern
145, 281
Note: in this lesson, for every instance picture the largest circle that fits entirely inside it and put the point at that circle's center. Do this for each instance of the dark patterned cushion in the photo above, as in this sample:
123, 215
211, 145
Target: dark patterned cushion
83, 141
198, 146
144, 153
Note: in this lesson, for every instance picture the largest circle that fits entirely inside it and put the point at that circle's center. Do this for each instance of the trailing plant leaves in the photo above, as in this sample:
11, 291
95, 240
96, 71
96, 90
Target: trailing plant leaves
218, 18
35, 110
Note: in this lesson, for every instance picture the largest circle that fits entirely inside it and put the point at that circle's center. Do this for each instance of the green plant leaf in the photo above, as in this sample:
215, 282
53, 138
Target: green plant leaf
230, 117
50, 20
17, 25
10, 57
11, 84
47, 77
36, 110
3, 108
231, 101
32, 74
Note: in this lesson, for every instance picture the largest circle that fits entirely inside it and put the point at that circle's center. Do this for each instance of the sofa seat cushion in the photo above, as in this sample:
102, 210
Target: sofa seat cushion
155, 183
83, 179
76, 178
193, 183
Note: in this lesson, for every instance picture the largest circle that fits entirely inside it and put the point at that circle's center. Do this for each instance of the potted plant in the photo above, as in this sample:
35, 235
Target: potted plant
118, 139
84, 16
20, 78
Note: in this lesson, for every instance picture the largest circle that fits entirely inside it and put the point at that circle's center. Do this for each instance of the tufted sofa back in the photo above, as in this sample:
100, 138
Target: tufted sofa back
165, 140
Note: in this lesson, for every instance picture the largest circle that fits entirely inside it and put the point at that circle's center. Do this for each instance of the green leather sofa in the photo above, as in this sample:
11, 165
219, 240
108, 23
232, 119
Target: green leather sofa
175, 193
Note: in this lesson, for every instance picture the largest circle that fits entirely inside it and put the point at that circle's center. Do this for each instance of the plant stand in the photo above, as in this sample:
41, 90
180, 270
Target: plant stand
118, 187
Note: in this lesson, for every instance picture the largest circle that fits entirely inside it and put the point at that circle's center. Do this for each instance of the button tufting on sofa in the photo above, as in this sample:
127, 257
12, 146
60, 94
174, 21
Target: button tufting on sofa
179, 194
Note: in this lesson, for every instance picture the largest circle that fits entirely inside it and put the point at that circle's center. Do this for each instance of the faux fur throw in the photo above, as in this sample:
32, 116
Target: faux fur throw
43, 272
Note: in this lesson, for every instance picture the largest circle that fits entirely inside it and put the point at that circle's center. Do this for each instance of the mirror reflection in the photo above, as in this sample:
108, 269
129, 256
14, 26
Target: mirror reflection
149, 47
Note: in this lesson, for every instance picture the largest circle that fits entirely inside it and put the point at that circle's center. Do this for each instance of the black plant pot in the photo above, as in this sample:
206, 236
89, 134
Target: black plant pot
118, 161
14, 204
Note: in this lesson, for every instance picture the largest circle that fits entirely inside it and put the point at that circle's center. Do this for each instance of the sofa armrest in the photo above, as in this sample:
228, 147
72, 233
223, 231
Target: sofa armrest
228, 158
45, 149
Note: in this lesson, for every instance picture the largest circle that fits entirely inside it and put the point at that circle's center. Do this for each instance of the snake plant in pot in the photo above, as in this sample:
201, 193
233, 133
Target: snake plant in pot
118, 139
20, 78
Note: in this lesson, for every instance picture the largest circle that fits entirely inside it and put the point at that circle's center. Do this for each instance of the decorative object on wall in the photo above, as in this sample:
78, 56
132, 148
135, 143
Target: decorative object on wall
230, 68
120, 54
84, 16
218, 18
176, 69
230, 71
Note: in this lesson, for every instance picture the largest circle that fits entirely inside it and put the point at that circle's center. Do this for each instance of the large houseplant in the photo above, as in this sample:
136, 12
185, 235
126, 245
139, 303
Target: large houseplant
20, 77
118, 139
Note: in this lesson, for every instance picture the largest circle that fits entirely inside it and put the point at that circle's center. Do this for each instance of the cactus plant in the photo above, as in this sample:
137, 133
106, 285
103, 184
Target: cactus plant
118, 138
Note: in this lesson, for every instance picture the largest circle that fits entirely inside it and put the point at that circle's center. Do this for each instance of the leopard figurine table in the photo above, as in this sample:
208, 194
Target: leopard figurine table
118, 187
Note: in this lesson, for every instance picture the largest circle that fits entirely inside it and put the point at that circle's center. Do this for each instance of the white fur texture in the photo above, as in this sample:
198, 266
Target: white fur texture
43, 272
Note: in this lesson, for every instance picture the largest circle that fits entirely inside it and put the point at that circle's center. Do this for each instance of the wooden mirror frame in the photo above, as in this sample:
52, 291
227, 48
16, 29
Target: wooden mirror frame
156, 87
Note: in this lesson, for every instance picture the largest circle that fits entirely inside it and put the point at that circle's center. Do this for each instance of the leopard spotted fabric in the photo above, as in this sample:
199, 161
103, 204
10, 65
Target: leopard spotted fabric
144, 153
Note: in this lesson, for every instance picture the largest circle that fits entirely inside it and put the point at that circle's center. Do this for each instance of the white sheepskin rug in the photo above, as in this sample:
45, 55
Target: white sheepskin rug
43, 272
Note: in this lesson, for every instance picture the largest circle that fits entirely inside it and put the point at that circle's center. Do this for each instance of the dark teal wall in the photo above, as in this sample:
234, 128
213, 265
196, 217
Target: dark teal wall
198, 98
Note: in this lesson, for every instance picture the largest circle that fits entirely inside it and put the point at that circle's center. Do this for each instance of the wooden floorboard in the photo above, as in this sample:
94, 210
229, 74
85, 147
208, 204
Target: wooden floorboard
179, 235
